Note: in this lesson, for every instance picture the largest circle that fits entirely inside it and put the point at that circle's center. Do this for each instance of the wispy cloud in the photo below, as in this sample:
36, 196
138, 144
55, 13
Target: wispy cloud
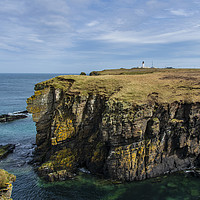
93, 23
146, 37
58, 6
12, 7
84, 31
180, 12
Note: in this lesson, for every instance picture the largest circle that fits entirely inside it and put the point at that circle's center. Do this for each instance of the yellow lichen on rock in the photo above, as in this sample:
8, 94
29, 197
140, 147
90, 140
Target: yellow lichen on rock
174, 121
131, 157
63, 159
53, 141
63, 130
35, 96
39, 103
153, 147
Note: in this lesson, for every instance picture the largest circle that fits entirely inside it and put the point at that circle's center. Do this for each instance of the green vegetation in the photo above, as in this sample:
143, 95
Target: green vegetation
6, 178
83, 73
145, 86
132, 71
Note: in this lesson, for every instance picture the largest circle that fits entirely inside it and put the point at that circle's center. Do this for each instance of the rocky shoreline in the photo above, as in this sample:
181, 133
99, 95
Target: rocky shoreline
6, 181
6, 149
13, 116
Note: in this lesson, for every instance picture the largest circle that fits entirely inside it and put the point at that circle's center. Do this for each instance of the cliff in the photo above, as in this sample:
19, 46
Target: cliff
6, 180
126, 128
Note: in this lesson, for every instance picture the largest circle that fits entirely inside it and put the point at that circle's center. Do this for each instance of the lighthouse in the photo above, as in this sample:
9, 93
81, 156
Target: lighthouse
143, 64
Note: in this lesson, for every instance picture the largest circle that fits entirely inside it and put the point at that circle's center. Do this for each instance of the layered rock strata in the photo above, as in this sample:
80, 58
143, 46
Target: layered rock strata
117, 139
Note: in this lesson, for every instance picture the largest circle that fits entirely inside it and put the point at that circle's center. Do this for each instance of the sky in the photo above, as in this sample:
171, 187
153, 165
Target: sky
71, 36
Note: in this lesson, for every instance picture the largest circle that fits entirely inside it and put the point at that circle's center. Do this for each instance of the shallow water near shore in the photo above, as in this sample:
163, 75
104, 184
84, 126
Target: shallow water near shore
14, 89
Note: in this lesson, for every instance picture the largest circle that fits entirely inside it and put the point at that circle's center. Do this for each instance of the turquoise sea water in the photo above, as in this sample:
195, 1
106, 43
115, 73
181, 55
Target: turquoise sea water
14, 90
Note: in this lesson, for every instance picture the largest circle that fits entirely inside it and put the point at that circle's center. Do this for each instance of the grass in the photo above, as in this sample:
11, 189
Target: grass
135, 71
145, 86
123, 71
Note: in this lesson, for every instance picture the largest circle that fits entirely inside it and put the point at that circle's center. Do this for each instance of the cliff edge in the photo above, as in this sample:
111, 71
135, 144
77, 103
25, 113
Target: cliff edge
124, 127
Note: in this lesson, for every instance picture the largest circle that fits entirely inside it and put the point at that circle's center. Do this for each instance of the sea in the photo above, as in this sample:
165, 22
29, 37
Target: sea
14, 90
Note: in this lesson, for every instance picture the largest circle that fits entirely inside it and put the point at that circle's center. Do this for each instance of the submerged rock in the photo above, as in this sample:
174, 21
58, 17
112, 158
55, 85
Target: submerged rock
6, 149
6, 181
14, 116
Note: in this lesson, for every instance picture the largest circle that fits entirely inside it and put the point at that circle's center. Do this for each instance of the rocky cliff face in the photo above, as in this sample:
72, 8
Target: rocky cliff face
116, 139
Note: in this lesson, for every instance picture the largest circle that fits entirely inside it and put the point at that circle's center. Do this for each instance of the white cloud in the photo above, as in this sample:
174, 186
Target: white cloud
34, 38
55, 21
58, 6
180, 12
139, 12
146, 37
12, 7
93, 23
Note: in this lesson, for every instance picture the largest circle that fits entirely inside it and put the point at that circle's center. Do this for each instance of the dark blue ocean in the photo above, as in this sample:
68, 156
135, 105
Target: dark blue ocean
14, 90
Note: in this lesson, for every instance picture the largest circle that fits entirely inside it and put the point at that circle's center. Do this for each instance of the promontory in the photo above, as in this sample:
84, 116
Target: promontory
121, 124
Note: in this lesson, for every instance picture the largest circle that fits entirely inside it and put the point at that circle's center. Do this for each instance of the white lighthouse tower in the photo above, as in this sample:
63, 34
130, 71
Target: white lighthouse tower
142, 64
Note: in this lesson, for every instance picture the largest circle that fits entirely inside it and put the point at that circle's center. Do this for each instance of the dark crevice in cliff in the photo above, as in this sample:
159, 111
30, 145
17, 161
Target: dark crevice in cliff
182, 152
89, 141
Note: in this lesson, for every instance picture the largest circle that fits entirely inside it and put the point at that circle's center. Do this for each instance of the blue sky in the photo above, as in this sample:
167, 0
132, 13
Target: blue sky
70, 36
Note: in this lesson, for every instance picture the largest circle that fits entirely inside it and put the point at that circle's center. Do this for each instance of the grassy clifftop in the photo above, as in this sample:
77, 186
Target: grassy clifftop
137, 71
142, 86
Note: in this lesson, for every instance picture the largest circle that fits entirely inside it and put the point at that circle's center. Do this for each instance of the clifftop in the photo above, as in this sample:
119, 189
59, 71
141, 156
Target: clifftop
157, 85
137, 71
